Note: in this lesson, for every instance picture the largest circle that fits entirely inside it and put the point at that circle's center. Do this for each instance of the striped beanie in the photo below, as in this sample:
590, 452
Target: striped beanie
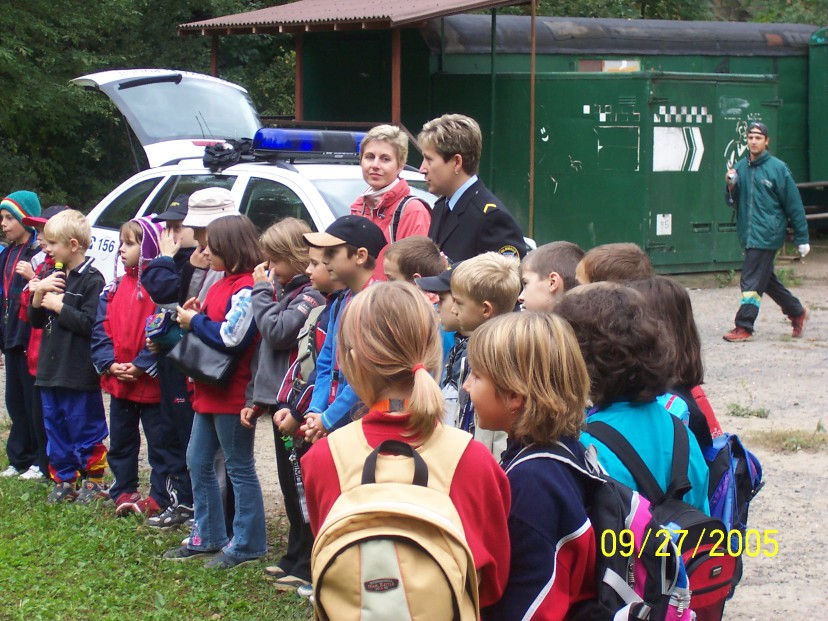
21, 204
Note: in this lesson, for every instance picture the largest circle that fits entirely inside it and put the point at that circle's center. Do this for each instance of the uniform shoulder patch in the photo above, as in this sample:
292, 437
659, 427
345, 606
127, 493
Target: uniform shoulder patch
509, 251
489, 207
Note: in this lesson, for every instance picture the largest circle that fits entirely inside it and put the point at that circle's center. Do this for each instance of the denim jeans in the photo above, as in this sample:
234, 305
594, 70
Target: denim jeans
211, 431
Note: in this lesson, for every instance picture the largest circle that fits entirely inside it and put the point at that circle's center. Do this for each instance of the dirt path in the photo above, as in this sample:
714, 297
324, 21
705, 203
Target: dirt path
773, 371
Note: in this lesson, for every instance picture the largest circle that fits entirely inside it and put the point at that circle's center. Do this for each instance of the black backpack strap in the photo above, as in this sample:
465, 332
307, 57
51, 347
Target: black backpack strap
395, 220
679, 483
632, 461
647, 484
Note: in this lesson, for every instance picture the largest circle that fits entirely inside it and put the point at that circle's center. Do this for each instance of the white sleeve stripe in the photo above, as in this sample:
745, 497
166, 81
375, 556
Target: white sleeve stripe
237, 320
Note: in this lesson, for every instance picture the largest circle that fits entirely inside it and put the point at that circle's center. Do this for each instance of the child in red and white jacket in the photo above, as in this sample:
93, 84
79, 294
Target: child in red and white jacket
128, 372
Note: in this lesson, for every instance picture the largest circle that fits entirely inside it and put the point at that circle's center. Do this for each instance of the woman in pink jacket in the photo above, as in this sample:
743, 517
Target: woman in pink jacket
382, 155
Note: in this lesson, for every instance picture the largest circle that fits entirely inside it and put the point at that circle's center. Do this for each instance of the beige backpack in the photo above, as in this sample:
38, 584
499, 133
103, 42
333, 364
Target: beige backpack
393, 546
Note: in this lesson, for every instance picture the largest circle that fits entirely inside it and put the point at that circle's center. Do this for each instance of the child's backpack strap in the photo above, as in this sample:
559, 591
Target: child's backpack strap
647, 484
354, 457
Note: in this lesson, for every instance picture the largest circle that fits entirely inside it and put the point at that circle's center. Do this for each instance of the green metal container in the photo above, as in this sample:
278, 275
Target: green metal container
818, 105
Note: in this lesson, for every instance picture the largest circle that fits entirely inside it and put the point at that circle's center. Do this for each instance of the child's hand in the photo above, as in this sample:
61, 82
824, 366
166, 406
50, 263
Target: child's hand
115, 369
248, 417
289, 425
54, 282
192, 304
34, 284
25, 269
53, 301
185, 317
152, 346
313, 427
167, 245
129, 372
279, 416
199, 258
260, 273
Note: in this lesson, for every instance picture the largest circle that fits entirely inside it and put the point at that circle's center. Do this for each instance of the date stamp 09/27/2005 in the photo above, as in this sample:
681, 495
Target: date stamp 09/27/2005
715, 542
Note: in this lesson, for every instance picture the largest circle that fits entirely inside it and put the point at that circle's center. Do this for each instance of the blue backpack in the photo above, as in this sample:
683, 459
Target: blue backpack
735, 478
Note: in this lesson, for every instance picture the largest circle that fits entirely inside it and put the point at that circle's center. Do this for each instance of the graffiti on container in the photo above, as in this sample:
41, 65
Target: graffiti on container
737, 147
617, 134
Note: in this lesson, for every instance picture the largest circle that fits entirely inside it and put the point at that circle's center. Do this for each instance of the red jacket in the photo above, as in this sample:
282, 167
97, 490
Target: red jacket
212, 327
415, 219
36, 334
125, 324
479, 491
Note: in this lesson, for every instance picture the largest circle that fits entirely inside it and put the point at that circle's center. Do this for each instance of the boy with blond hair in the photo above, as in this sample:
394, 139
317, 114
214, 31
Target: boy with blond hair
483, 287
65, 304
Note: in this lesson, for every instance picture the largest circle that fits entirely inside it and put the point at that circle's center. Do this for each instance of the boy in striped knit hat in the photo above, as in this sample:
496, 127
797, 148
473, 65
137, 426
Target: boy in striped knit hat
16, 270
128, 372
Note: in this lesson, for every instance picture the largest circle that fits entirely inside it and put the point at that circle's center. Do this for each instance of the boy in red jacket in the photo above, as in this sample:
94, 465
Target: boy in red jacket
128, 372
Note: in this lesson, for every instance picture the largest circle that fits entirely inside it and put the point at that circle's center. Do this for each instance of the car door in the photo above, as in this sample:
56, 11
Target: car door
175, 114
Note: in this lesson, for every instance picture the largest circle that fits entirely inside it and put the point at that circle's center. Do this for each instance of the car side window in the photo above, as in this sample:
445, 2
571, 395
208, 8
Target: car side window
266, 201
126, 206
186, 184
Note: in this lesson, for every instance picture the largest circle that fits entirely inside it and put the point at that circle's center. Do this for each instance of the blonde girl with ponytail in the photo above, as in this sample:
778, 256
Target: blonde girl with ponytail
390, 352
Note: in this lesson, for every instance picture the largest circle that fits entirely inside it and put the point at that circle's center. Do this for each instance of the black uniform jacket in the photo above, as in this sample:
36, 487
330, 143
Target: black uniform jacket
478, 223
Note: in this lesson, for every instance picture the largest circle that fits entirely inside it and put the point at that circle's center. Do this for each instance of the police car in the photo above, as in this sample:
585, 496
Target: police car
176, 114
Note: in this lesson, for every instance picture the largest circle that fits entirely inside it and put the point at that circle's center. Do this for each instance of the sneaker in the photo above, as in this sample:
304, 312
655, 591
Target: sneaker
147, 506
798, 324
222, 561
306, 591
33, 474
290, 583
183, 553
9, 472
738, 334
274, 571
190, 523
127, 503
63, 492
171, 517
90, 492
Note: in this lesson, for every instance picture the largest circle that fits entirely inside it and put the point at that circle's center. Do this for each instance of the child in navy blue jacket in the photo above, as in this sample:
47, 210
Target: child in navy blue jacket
22, 446
528, 378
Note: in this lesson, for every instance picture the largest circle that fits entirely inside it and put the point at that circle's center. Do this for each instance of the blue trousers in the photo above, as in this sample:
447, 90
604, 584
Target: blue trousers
225, 431
758, 279
125, 443
21, 447
75, 424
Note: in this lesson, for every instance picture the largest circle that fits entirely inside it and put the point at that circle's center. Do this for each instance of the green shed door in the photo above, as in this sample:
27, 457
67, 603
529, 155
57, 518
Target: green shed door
697, 130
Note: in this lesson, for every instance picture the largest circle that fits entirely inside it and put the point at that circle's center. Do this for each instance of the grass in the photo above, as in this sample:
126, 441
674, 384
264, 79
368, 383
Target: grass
76, 562
742, 411
724, 279
793, 440
788, 276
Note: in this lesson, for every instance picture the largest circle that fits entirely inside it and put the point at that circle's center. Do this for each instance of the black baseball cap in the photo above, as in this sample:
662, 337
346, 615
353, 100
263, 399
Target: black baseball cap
357, 231
176, 210
756, 126
441, 283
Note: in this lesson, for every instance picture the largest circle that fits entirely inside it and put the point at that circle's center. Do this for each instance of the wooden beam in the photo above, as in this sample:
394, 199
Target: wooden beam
299, 84
396, 66
533, 46
214, 56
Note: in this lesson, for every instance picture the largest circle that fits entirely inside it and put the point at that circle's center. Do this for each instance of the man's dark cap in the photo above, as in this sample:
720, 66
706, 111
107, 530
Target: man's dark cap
756, 126
441, 283
357, 231
176, 210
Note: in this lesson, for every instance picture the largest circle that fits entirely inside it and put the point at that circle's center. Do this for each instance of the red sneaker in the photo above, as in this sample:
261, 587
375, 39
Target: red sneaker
798, 324
127, 503
738, 334
148, 506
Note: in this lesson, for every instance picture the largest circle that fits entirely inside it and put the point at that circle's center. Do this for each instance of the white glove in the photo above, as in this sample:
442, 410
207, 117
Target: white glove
803, 249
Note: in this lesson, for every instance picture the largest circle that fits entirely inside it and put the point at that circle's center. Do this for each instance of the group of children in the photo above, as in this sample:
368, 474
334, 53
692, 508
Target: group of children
518, 354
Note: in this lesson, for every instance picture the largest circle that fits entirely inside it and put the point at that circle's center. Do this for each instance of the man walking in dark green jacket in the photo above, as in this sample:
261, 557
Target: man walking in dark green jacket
766, 198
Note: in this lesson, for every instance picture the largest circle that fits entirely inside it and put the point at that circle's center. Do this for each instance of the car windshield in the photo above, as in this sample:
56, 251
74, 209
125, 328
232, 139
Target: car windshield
341, 193
192, 109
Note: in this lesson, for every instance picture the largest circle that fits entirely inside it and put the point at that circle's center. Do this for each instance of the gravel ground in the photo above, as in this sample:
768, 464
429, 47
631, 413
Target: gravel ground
773, 371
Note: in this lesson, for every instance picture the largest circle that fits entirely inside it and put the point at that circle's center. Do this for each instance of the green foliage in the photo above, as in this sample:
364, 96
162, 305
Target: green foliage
649, 9
75, 562
793, 440
788, 276
724, 279
742, 411
71, 146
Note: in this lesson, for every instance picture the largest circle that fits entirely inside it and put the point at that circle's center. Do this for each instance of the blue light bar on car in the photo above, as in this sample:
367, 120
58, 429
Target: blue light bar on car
306, 143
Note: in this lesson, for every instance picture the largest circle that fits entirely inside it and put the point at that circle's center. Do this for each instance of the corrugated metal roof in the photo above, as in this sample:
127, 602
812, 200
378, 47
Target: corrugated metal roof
332, 14
471, 34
